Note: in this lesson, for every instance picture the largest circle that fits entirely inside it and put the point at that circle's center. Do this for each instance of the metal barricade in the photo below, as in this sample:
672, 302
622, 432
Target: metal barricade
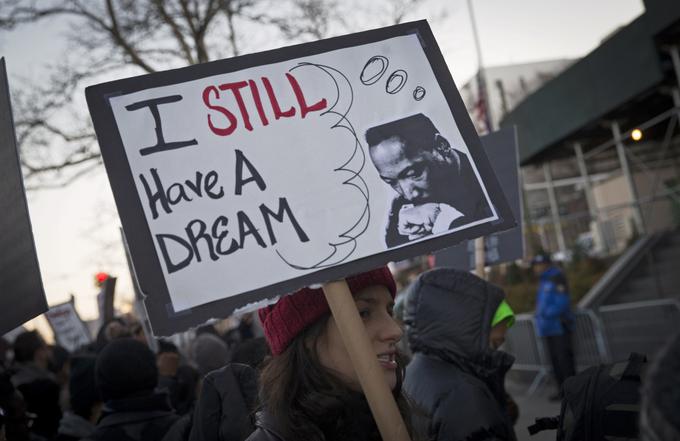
531, 353
521, 341
609, 334
640, 326
590, 348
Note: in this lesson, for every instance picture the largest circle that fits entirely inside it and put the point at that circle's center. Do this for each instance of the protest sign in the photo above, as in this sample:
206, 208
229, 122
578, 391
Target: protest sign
22, 296
243, 179
70, 331
505, 246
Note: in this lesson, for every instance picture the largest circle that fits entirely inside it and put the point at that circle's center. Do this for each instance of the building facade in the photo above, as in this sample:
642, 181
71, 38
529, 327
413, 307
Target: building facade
600, 141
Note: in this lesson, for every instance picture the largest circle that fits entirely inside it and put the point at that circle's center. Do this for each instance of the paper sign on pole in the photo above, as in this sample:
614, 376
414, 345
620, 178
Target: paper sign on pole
22, 296
70, 331
246, 178
505, 246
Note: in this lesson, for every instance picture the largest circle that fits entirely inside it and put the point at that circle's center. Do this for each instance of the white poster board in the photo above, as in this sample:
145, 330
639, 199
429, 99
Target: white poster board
247, 178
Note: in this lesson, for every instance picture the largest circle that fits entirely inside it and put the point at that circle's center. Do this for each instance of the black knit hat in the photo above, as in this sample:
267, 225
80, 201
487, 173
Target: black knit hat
125, 368
26, 345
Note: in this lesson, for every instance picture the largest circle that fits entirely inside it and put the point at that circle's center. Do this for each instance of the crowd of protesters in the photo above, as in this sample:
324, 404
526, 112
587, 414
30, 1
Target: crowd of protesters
284, 374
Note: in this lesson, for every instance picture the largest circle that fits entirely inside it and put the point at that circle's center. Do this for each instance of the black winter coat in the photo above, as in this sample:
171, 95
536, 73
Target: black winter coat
454, 375
226, 407
266, 429
348, 420
41, 393
146, 418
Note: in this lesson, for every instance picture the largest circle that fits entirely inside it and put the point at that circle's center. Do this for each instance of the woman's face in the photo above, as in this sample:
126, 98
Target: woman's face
375, 308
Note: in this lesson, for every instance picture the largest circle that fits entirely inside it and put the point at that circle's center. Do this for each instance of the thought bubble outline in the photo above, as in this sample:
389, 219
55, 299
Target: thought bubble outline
349, 237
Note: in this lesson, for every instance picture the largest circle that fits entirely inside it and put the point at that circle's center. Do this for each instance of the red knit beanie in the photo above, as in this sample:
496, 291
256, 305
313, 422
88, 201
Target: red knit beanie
293, 313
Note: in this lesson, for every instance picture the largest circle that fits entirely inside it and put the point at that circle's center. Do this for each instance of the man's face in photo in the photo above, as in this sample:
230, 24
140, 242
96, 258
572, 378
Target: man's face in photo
411, 172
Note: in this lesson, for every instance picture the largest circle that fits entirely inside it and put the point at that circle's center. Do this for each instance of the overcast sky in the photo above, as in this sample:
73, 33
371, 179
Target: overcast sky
72, 226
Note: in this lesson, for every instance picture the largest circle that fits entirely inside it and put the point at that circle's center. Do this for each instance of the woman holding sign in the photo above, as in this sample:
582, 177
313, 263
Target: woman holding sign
309, 389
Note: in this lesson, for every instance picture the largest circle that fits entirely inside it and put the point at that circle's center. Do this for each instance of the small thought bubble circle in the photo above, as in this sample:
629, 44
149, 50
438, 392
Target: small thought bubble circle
374, 69
419, 93
396, 81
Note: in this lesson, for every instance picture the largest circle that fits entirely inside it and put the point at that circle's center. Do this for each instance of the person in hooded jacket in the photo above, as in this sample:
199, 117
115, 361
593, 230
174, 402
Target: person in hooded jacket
554, 318
126, 377
226, 406
308, 388
456, 375
36, 383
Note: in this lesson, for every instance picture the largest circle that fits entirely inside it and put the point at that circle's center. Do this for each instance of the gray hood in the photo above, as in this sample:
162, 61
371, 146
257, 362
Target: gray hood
448, 313
75, 426
29, 372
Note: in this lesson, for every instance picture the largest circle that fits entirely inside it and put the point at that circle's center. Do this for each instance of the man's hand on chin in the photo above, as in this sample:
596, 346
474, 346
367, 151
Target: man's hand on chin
417, 221
421, 220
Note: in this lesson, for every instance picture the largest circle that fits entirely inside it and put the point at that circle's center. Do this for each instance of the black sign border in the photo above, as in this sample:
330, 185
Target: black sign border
164, 320
22, 294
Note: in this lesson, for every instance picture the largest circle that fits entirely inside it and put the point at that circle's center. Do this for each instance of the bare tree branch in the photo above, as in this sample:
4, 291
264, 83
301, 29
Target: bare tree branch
176, 31
400, 8
229, 12
61, 183
114, 30
68, 162
107, 37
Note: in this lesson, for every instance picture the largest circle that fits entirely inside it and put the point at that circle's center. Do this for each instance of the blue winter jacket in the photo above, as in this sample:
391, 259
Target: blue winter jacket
553, 313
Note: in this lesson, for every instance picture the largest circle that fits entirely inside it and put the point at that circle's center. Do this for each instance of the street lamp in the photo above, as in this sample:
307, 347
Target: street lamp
636, 134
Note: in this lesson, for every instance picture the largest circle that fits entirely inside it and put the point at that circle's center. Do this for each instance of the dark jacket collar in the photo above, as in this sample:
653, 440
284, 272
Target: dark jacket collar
133, 409
29, 372
551, 271
266, 421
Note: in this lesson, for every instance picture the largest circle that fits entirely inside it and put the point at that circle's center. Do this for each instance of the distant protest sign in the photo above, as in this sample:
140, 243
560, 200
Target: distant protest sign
70, 331
505, 246
21, 290
243, 179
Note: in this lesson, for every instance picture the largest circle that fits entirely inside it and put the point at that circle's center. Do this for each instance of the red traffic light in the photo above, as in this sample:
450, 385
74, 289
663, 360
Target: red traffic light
101, 278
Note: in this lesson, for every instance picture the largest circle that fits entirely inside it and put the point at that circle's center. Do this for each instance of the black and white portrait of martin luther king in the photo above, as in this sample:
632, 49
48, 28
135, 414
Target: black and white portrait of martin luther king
437, 189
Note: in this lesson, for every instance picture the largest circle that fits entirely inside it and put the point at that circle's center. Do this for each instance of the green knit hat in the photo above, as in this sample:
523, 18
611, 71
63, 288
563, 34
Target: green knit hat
504, 312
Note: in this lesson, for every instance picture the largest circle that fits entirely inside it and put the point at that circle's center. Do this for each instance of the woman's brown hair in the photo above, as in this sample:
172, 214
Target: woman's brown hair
311, 403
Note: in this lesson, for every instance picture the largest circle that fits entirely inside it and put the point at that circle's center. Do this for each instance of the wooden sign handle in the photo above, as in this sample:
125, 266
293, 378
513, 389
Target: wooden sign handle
365, 362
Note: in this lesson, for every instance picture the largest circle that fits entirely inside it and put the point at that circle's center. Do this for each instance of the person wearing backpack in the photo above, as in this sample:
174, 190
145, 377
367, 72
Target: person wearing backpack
554, 318
602, 403
457, 375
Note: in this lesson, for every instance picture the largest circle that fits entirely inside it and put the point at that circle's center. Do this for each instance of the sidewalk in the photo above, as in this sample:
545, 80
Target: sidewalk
532, 407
